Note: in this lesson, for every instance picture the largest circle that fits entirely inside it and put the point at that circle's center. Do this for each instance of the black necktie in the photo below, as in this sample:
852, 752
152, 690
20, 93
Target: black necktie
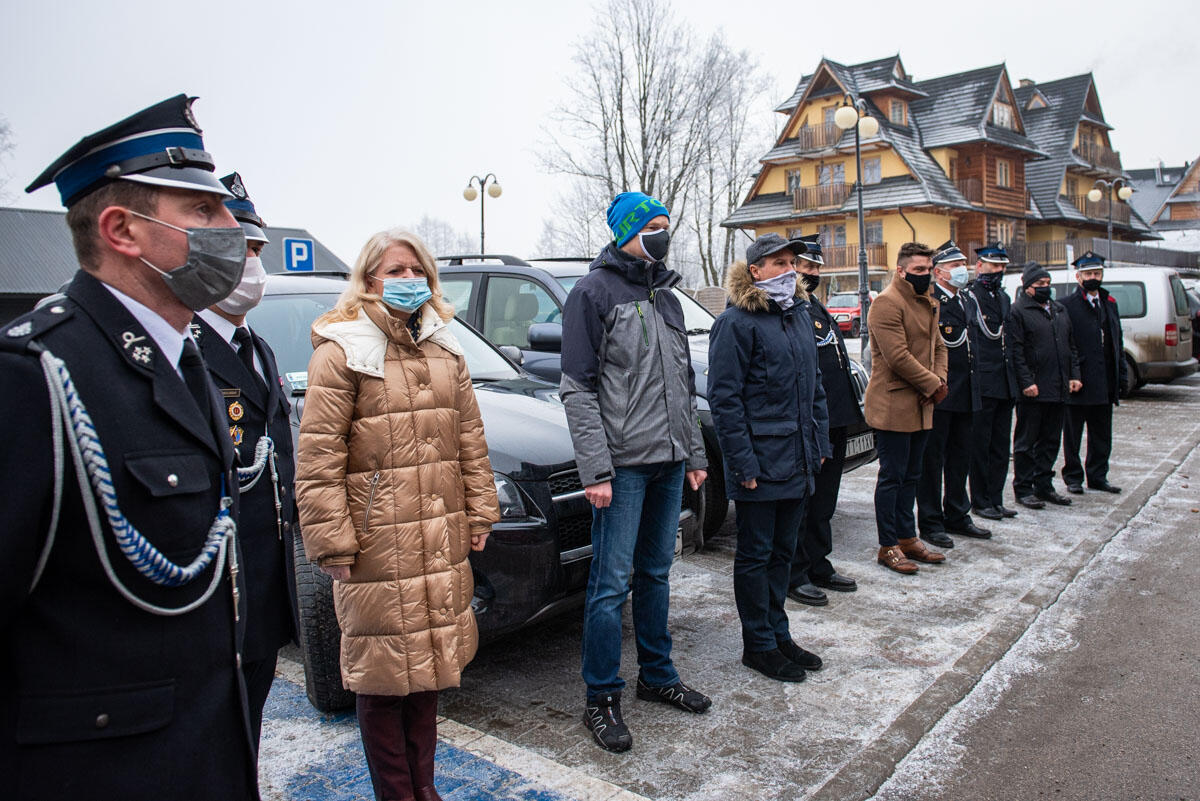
195, 375
245, 351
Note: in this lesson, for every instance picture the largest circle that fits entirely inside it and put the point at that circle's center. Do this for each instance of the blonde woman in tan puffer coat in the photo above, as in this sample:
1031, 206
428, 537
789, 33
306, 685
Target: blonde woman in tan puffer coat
394, 487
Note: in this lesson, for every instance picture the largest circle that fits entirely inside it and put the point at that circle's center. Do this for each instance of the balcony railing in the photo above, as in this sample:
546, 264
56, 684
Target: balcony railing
1054, 252
846, 256
818, 137
1099, 210
1098, 155
820, 197
971, 188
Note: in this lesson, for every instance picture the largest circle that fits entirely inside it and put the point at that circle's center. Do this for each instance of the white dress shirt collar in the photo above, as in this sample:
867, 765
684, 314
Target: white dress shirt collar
168, 339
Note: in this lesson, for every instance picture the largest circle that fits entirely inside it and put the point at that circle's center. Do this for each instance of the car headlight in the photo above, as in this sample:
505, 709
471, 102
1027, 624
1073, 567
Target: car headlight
511, 503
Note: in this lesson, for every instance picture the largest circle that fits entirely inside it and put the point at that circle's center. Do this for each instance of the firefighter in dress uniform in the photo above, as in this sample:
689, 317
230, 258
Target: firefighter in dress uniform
121, 603
812, 571
243, 367
991, 434
942, 505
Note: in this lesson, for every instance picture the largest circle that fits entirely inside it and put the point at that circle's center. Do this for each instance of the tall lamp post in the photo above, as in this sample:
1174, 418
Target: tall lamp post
853, 114
470, 193
1104, 187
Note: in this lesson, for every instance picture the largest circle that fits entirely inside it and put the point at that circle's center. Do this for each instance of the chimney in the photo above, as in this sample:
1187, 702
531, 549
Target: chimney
1024, 82
1158, 173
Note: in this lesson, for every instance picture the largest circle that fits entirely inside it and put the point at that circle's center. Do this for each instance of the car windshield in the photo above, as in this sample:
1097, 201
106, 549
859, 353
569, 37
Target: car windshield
696, 318
843, 299
285, 322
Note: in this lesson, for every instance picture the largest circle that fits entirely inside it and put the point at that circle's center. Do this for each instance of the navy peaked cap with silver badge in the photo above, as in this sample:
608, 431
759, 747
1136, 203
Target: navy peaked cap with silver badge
993, 253
159, 145
947, 252
813, 243
243, 209
1088, 260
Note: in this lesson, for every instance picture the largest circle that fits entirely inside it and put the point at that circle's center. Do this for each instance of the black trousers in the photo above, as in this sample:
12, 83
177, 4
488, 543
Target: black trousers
942, 501
816, 532
1035, 446
991, 435
767, 533
900, 455
259, 675
1098, 419
399, 736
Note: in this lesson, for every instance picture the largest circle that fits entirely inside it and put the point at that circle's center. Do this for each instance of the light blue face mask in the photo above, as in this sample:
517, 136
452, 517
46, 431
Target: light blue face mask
958, 276
406, 294
781, 288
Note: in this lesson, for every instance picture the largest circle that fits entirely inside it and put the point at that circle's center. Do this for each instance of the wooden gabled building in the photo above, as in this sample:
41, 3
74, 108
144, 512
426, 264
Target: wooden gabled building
949, 161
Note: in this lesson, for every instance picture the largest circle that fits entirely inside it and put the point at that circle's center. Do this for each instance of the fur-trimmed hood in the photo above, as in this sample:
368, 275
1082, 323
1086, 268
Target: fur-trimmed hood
739, 286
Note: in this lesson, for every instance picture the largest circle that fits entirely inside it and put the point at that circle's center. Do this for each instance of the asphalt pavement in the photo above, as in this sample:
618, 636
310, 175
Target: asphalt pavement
905, 658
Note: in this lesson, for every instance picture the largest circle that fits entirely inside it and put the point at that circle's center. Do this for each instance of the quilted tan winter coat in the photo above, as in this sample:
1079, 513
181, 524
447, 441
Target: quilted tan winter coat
392, 479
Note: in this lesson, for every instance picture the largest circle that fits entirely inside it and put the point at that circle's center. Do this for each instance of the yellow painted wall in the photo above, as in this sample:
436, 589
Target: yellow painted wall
932, 229
890, 165
942, 156
1035, 232
774, 181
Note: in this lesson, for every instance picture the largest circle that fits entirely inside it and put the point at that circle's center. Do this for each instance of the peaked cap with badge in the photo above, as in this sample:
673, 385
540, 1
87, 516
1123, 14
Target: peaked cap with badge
125, 620
812, 252
993, 253
948, 252
1088, 261
242, 209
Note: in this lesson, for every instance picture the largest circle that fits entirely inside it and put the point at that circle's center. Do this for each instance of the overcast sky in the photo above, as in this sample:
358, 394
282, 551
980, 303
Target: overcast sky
348, 117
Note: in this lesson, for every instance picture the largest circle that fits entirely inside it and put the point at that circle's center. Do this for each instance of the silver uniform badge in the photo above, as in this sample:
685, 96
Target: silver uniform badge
21, 329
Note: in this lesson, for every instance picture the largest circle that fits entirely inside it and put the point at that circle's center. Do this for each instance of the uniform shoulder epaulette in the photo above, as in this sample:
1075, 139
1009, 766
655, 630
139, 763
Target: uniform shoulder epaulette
20, 335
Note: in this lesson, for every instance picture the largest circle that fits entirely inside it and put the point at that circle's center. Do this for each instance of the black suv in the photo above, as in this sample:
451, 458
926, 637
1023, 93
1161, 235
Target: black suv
518, 304
537, 560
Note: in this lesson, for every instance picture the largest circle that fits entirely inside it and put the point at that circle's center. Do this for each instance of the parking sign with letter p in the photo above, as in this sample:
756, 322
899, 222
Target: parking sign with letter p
298, 255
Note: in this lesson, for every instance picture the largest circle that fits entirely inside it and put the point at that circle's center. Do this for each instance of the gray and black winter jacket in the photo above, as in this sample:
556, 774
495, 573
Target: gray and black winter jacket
627, 378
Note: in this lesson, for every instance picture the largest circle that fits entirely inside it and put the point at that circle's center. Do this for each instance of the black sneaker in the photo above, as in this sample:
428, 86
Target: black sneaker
774, 665
678, 695
602, 716
805, 659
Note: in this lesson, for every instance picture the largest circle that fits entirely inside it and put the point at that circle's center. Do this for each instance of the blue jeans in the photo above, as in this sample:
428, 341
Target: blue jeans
633, 537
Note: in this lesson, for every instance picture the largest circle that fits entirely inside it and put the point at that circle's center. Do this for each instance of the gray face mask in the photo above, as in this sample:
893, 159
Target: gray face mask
215, 262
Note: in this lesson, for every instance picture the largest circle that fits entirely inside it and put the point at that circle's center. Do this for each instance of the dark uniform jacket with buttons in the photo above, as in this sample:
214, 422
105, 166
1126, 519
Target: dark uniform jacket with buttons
841, 399
765, 391
100, 698
956, 325
1042, 347
1101, 348
251, 408
992, 358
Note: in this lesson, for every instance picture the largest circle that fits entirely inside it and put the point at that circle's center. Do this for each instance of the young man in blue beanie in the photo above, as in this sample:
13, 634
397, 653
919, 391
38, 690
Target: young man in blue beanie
628, 388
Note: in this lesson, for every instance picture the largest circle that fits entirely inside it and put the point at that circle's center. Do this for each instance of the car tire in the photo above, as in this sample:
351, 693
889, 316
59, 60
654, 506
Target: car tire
855, 328
1131, 381
714, 500
320, 637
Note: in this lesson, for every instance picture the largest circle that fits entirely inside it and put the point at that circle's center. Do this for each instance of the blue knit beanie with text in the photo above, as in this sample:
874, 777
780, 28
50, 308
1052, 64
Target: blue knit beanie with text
629, 212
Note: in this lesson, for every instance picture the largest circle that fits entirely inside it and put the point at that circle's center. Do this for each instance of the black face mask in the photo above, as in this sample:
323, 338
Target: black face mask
1091, 284
656, 243
919, 282
811, 282
990, 280
1041, 294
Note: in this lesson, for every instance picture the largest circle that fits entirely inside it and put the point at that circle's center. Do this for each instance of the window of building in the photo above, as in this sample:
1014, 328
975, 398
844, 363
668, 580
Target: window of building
832, 236
830, 174
794, 233
1002, 116
1003, 172
872, 170
1072, 187
1004, 232
898, 112
793, 181
829, 112
874, 232
954, 230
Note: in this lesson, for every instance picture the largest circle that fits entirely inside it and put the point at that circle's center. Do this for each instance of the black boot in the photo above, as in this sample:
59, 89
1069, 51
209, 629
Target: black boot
678, 695
773, 664
602, 716
805, 659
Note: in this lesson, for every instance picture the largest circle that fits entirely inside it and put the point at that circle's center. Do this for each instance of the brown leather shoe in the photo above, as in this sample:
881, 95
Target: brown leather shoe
893, 558
917, 551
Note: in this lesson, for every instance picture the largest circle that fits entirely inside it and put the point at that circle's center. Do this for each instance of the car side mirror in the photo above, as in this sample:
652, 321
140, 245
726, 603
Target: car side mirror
546, 337
513, 353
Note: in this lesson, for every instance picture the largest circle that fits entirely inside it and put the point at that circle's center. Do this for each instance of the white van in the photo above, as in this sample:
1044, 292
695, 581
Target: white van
1154, 319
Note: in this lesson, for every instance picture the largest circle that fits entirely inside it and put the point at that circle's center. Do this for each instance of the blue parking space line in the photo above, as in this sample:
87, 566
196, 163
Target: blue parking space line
310, 756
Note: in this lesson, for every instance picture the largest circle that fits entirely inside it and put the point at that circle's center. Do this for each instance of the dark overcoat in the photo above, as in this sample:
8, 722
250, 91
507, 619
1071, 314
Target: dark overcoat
841, 399
1101, 347
251, 407
992, 358
1043, 349
765, 392
960, 334
101, 699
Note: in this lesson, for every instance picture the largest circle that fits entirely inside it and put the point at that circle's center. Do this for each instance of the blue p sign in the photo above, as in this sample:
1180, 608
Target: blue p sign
298, 255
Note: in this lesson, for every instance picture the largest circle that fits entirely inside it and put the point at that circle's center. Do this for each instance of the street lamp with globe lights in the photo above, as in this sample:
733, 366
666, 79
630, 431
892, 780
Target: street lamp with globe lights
853, 114
1104, 187
470, 193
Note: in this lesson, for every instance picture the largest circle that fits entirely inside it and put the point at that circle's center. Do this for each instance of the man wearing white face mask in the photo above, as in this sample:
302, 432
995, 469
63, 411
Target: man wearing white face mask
242, 366
944, 509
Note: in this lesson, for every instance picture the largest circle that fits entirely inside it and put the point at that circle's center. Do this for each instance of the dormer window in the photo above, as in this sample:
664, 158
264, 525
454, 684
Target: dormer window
1002, 116
898, 112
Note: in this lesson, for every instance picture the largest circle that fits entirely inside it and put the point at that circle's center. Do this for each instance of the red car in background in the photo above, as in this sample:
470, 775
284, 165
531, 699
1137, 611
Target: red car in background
846, 312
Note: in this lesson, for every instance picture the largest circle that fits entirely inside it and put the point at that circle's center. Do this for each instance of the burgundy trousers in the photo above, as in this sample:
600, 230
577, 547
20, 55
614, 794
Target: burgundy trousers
399, 736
